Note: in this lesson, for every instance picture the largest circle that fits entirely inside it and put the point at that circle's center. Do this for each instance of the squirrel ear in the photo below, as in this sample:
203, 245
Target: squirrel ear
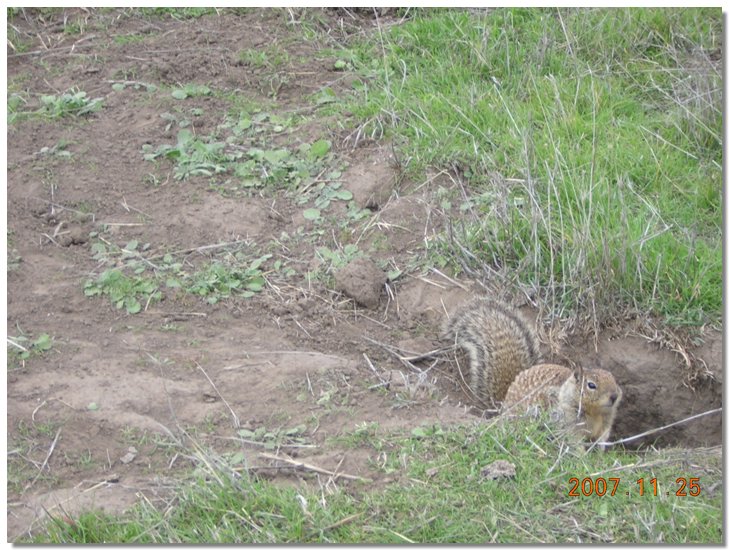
578, 373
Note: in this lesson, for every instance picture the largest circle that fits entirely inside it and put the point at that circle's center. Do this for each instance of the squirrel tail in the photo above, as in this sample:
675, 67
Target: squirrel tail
499, 343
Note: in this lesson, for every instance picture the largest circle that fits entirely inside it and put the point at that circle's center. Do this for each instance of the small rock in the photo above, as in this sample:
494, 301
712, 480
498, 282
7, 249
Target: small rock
75, 235
362, 280
131, 455
498, 469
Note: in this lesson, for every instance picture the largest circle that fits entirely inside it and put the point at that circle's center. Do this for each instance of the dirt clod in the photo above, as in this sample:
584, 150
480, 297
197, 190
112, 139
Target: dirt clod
498, 469
131, 455
362, 280
74, 236
373, 180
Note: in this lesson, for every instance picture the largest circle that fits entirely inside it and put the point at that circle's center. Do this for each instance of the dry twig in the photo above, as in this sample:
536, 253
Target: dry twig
659, 429
236, 422
310, 467
45, 462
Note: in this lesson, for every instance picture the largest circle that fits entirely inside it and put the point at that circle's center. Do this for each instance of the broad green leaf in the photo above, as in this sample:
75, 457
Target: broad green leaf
311, 214
173, 283
344, 195
43, 342
394, 274
418, 432
133, 305
320, 148
255, 286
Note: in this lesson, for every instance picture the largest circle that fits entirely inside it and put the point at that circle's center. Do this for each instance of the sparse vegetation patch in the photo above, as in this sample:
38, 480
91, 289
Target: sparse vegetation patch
229, 273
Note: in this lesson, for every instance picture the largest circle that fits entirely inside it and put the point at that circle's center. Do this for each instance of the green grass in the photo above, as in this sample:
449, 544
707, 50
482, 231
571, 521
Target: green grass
272, 57
439, 496
589, 140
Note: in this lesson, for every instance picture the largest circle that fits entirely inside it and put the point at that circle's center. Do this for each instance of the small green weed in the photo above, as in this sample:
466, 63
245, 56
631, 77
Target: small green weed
73, 27
22, 348
121, 85
181, 119
122, 39
252, 125
191, 90
273, 439
342, 65
84, 461
218, 280
14, 259
16, 103
73, 103
336, 259
124, 291
193, 156
271, 58
327, 191
284, 167
16, 41
106, 252
326, 95
252, 57
364, 434
58, 150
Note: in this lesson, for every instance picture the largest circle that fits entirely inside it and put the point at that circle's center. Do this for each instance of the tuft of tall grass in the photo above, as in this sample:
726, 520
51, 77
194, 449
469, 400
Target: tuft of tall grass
590, 140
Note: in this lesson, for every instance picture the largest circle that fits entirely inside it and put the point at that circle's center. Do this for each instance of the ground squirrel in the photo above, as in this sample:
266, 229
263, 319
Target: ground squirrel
500, 344
504, 367
584, 399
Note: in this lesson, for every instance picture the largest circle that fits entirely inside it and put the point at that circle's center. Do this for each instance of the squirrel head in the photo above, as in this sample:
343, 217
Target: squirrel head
598, 388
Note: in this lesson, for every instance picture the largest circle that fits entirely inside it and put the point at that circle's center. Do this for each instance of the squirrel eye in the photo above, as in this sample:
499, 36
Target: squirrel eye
592, 385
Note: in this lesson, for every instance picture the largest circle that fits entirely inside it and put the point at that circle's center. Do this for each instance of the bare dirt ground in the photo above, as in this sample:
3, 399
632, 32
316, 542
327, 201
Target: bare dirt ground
299, 353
